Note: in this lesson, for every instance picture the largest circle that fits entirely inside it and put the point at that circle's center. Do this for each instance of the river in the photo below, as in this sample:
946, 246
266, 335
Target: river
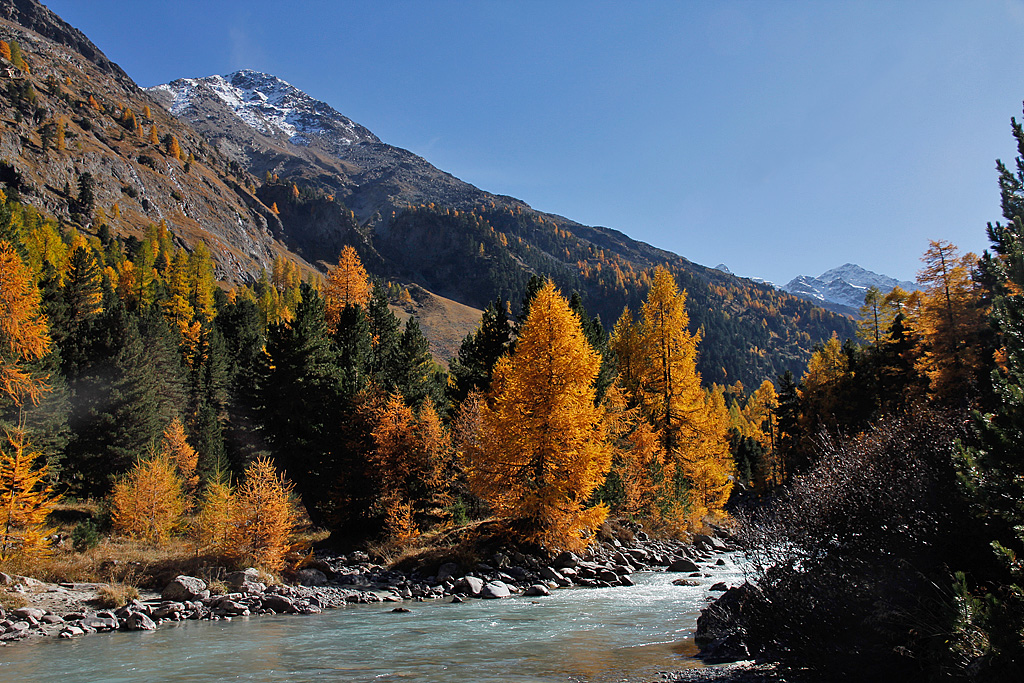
598, 635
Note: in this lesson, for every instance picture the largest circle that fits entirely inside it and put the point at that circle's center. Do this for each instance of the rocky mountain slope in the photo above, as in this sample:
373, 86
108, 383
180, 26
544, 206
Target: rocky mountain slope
844, 286
255, 168
109, 138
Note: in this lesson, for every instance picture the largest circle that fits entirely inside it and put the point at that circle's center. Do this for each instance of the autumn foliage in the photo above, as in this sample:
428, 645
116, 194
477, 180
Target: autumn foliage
26, 498
347, 285
148, 502
658, 375
542, 447
263, 517
23, 330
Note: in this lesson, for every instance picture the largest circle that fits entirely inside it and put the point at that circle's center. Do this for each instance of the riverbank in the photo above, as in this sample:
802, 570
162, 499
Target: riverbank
70, 610
737, 672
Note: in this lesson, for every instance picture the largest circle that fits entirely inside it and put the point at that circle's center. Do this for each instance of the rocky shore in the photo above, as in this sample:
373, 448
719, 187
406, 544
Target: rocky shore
65, 610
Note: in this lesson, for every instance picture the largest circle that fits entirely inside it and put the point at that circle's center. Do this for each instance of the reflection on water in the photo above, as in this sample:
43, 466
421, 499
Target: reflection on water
592, 635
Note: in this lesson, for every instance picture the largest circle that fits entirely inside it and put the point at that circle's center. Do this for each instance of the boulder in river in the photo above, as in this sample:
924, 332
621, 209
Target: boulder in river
137, 621
470, 585
537, 590
494, 590
682, 565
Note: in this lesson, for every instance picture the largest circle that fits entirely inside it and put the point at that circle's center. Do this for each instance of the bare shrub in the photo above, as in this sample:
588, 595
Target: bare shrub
851, 564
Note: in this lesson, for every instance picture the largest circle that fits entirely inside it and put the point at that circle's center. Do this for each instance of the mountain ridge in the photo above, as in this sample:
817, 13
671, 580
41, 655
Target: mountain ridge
252, 194
844, 286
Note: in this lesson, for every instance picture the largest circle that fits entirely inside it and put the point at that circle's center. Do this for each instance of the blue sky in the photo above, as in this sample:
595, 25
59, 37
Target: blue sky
779, 138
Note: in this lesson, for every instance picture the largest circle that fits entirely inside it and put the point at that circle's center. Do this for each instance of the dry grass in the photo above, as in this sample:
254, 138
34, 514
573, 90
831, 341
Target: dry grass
116, 595
117, 560
11, 601
465, 545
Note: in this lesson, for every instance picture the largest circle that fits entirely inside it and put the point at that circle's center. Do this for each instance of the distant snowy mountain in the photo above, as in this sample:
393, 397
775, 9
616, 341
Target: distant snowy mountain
845, 285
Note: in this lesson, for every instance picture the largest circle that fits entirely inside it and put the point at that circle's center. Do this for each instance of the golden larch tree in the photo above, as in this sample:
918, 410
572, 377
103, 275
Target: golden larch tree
948, 320
173, 148
23, 331
761, 416
264, 517
645, 474
661, 379
26, 499
175, 447
708, 464
148, 501
212, 530
5, 50
821, 388
347, 285
543, 447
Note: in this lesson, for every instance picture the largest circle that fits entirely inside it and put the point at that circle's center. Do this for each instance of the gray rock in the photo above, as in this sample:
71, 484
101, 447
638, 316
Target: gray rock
184, 588
235, 580
683, 565
310, 577
639, 555
685, 582
71, 632
495, 590
99, 623
231, 607
565, 559
551, 574
52, 619
624, 580
168, 610
470, 585
278, 603
537, 590
17, 627
719, 587
728, 648
137, 621
447, 571
28, 612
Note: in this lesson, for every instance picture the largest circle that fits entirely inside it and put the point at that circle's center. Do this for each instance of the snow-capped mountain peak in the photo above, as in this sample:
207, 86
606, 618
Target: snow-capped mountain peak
269, 105
845, 285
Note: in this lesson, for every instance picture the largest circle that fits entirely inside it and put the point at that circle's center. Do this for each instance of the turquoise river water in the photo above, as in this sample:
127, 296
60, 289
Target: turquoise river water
599, 635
